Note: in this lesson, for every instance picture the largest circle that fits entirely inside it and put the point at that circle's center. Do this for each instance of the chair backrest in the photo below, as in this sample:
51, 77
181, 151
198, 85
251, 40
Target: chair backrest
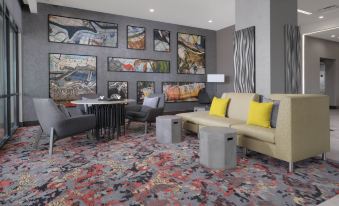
48, 113
161, 103
203, 97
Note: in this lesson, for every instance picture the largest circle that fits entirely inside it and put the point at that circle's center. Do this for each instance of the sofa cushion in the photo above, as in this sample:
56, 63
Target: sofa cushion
260, 133
151, 102
239, 104
219, 107
203, 118
260, 114
275, 109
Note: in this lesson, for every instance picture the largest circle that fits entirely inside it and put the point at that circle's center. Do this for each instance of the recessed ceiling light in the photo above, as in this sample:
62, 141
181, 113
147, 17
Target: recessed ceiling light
321, 17
151, 10
304, 12
332, 35
210, 21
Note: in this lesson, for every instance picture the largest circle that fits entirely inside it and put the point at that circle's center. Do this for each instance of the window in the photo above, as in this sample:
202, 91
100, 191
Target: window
8, 74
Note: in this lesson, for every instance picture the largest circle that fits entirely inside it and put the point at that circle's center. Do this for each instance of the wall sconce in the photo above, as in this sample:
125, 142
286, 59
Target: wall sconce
216, 78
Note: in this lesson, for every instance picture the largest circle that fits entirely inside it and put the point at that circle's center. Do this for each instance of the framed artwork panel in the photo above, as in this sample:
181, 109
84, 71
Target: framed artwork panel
81, 31
71, 76
191, 54
182, 91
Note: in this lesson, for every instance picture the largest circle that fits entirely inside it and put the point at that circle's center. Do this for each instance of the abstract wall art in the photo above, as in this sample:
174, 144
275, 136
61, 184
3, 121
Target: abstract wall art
71, 76
144, 89
244, 60
80, 31
136, 37
117, 88
161, 40
293, 72
117, 64
182, 91
191, 54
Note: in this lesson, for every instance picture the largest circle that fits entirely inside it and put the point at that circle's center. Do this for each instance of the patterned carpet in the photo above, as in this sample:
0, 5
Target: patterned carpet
136, 170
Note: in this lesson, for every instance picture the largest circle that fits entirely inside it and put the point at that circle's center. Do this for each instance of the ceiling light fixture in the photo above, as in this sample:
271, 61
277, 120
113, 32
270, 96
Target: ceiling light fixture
304, 12
210, 21
321, 17
151, 10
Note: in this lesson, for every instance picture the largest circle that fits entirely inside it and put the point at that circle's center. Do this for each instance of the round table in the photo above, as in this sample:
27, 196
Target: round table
110, 115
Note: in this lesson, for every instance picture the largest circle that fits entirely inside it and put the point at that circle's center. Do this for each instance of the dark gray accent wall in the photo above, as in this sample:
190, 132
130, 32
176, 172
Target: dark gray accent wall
36, 48
225, 65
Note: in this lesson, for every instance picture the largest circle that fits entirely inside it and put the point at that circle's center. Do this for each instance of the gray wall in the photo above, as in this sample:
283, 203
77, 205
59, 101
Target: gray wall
282, 12
225, 62
15, 10
268, 17
36, 48
315, 49
257, 13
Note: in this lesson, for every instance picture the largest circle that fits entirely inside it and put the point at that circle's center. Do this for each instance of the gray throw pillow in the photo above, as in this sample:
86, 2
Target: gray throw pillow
275, 109
151, 102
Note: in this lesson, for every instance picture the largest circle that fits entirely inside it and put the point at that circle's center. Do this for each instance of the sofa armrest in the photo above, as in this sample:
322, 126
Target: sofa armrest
303, 127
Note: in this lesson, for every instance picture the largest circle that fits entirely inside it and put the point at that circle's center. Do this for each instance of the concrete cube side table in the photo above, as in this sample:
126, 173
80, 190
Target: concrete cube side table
168, 129
218, 147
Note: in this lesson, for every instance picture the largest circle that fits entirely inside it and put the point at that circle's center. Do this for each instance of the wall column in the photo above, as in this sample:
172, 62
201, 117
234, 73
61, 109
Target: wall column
269, 18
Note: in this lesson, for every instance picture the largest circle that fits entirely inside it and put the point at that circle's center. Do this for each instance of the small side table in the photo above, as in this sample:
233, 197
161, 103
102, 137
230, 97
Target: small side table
168, 129
218, 147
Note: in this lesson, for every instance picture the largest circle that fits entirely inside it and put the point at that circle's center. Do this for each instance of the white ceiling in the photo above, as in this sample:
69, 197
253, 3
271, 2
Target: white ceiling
195, 13
327, 35
315, 6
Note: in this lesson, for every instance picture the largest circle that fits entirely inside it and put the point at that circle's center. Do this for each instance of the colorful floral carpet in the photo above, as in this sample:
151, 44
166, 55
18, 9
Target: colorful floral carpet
136, 170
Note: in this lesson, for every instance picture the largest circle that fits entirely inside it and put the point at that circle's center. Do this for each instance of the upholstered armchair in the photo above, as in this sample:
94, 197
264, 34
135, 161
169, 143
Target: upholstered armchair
58, 124
142, 113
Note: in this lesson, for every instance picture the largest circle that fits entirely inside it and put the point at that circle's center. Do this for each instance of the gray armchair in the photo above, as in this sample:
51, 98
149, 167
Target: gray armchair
140, 113
59, 125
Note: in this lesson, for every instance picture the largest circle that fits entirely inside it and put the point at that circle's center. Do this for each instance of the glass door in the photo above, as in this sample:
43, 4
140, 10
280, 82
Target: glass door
8, 74
12, 71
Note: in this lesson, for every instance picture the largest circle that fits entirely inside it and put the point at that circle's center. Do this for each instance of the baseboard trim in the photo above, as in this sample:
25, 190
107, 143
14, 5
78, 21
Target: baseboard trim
29, 123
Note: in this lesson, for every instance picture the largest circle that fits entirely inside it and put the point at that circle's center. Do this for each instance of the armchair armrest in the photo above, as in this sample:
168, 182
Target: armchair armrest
75, 125
302, 127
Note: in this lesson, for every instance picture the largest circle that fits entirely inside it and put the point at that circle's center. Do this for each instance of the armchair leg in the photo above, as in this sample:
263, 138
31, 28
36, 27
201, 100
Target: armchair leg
146, 123
51, 137
323, 156
245, 151
128, 123
290, 167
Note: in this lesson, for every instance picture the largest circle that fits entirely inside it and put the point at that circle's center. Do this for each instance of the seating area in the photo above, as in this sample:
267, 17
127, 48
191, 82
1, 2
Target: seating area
159, 103
299, 133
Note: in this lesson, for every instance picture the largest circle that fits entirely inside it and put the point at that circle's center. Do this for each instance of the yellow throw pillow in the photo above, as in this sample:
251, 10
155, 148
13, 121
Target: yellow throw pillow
219, 107
260, 114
